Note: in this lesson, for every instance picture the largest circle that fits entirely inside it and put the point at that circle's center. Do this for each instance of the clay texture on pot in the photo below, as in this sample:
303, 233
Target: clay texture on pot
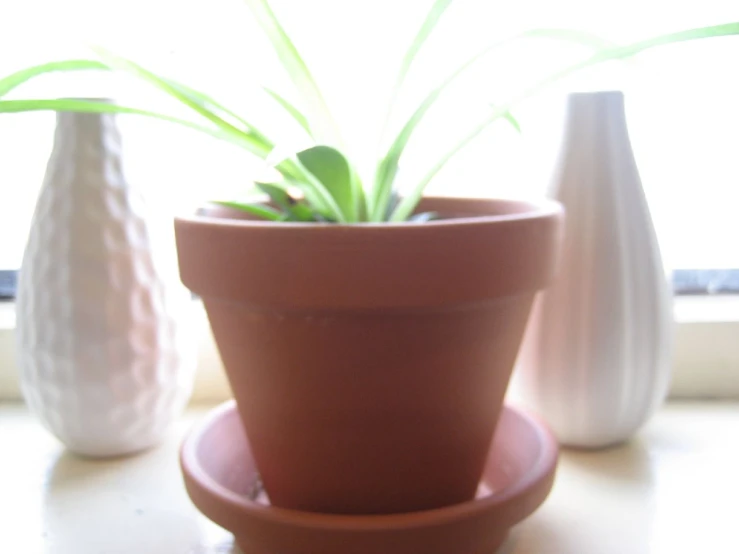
106, 349
369, 362
595, 362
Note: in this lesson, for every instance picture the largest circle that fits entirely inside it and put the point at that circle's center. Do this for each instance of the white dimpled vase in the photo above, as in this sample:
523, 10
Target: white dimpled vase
106, 345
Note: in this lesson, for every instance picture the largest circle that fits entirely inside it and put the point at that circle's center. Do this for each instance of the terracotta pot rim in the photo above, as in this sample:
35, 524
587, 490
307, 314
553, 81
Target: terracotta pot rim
224, 253
543, 467
529, 209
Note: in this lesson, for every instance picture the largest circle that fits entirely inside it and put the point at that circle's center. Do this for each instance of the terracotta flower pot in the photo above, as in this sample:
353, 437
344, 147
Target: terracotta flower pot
369, 362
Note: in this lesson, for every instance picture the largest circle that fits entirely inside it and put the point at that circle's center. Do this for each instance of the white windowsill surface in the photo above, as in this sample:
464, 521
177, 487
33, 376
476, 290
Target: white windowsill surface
670, 490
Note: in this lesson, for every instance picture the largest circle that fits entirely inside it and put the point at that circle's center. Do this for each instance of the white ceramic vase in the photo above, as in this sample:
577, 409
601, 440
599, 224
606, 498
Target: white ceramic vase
595, 361
105, 337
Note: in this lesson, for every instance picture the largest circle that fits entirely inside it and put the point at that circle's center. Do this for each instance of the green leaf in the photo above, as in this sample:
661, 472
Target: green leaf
291, 170
19, 77
315, 192
255, 139
293, 209
277, 194
210, 104
360, 197
321, 122
290, 109
255, 209
427, 27
622, 52
93, 106
388, 166
432, 18
508, 116
302, 212
206, 102
331, 168
408, 204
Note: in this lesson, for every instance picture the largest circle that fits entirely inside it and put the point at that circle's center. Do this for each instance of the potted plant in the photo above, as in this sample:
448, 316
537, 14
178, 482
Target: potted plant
368, 338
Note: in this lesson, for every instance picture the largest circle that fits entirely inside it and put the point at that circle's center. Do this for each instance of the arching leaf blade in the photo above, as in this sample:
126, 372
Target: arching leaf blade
259, 210
429, 24
388, 166
184, 96
294, 112
16, 79
93, 106
408, 204
321, 121
332, 170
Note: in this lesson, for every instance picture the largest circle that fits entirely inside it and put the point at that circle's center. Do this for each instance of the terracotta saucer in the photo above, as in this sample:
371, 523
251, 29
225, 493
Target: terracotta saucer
222, 480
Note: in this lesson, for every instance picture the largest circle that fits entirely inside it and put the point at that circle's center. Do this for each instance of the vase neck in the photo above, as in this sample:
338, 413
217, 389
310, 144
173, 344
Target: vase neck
596, 109
596, 151
82, 126
86, 153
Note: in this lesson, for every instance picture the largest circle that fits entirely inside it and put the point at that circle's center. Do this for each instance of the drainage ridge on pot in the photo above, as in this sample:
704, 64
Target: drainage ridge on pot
369, 362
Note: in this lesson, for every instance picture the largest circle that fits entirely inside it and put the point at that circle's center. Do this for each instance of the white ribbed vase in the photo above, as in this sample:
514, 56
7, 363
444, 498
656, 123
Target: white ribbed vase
595, 362
105, 337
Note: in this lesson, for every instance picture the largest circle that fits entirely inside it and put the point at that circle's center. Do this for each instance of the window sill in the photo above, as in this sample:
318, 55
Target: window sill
636, 498
705, 358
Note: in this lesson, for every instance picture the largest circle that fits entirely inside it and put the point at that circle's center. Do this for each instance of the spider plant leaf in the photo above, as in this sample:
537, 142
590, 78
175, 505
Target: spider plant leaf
427, 27
208, 103
321, 121
629, 50
360, 198
303, 213
259, 145
277, 194
16, 79
290, 169
432, 18
508, 116
388, 166
93, 106
255, 209
294, 209
332, 169
317, 195
429, 24
408, 204
290, 109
